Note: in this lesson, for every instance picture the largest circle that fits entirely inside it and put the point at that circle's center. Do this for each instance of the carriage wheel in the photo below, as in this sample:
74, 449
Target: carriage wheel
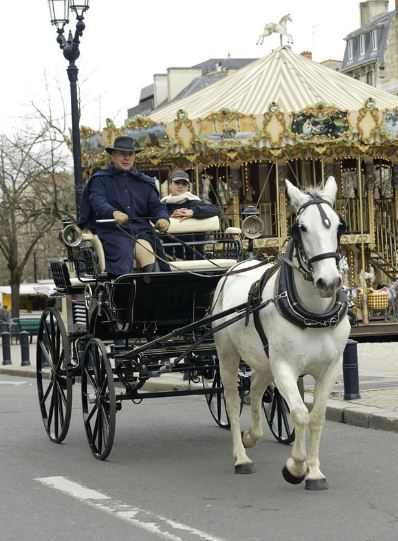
215, 400
98, 399
53, 384
278, 415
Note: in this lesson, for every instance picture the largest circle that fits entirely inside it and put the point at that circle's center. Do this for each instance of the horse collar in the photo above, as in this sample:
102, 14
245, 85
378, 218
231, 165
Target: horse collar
289, 305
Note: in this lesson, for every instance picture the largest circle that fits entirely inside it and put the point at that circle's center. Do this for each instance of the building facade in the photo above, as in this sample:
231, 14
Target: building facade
180, 82
371, 50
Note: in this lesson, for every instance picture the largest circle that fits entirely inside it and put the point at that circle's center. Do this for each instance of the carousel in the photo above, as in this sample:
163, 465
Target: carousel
282, 117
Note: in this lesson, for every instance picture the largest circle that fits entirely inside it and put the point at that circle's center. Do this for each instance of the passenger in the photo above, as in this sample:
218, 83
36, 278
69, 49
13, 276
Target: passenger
182, 204
123, 193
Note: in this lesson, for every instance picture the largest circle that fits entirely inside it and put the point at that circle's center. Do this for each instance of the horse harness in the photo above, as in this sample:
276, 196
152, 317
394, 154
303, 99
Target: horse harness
285, 298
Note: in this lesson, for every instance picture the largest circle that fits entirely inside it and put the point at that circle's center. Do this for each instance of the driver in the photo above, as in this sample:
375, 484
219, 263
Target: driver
123, 193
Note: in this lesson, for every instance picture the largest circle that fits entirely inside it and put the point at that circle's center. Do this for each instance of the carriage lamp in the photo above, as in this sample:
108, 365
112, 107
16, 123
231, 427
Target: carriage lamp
252, 226
59, 13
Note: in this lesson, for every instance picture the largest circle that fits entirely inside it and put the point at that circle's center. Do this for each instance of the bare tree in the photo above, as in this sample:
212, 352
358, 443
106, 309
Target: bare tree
35, 191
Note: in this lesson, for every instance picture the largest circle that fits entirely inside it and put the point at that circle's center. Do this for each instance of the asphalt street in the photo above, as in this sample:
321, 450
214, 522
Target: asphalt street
170, 476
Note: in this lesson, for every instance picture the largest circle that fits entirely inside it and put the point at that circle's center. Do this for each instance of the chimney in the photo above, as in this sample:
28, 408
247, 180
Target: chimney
371, 9
308, 54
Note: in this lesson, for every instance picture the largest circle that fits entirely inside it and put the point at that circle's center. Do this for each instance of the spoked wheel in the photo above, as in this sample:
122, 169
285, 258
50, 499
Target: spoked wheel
98, 399
278, 415
53, 385
215, 400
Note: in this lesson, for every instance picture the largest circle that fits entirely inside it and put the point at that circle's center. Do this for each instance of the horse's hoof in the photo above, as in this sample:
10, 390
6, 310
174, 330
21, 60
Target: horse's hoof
290, 478
244, 468
316, 484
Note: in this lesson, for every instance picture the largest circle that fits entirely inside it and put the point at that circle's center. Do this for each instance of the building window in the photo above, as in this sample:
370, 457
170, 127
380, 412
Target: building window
350, 50
374, 40
362, 44
369, 78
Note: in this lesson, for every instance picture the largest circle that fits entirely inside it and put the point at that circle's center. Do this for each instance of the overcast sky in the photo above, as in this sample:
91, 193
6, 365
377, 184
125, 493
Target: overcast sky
126, 42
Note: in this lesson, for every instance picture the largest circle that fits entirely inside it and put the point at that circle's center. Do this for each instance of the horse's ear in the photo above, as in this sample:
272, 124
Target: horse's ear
295, 196
330, 190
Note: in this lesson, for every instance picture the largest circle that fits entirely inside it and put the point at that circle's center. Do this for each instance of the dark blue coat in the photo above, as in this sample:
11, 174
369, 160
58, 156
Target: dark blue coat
133, 193
200, 209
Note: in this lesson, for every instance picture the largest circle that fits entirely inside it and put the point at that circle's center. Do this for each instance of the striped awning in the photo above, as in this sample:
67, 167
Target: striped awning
293, 81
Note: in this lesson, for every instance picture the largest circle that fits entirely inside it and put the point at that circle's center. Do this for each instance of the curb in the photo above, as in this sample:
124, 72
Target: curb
358, 415
336, 410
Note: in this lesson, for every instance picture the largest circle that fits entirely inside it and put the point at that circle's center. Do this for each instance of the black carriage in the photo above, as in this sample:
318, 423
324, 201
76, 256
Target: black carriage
117, 334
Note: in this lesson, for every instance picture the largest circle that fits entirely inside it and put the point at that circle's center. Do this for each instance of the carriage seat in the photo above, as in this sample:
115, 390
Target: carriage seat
193, 225
93, 257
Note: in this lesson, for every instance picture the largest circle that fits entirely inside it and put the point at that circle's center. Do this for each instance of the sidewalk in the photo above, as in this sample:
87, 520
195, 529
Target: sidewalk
378, 384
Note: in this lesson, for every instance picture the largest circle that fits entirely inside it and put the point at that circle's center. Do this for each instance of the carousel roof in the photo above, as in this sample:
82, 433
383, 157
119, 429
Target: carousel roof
292, 80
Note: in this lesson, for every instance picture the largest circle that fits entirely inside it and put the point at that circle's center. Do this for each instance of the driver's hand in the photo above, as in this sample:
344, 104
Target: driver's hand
162, 225
120, 217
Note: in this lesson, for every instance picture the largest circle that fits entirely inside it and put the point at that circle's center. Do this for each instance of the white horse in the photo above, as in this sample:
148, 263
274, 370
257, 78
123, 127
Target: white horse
278, 28
311, 341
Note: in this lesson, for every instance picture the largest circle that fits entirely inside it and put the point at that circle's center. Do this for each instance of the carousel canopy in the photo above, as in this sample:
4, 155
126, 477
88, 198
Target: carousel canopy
282, 106
292, 80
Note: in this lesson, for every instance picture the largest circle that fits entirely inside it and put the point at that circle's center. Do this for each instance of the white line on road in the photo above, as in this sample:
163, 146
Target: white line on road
147, 521
13, 382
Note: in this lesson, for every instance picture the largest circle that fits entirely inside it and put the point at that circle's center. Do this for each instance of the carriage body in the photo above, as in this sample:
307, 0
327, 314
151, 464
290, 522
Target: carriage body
117, 334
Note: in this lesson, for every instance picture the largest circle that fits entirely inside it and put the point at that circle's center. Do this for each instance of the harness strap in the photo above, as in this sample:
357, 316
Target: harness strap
326, 255
254, 300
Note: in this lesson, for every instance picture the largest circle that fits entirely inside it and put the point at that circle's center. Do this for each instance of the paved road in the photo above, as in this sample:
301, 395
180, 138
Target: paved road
377, 406
170, 476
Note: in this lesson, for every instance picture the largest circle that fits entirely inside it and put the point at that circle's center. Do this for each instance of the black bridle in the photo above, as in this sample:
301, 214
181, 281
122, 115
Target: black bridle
305, 263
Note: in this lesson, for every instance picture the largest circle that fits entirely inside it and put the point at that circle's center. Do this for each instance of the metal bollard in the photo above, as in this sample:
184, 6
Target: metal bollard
6, 347
350, 371
24, 341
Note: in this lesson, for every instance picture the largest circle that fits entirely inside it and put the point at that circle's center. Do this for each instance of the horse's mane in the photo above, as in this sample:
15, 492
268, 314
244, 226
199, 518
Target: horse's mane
313, 191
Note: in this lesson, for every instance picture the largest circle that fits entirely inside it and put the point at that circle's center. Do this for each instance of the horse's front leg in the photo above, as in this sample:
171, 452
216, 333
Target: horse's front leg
315, 479
296, 466
258, 382
229, 365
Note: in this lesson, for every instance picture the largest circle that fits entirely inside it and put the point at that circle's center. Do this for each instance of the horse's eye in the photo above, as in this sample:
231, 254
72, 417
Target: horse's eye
302, 228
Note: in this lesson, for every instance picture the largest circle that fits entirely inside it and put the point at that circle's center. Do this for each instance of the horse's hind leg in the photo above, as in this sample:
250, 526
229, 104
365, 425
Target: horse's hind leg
315, 479
229, 364
258, 382
296, 466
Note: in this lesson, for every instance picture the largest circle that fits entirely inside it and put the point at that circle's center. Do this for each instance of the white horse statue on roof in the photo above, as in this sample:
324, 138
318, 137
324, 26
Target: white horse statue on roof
278, 28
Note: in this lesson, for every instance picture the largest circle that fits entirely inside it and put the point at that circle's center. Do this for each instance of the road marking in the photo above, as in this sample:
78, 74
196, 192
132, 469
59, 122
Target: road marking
13, 382
140, 518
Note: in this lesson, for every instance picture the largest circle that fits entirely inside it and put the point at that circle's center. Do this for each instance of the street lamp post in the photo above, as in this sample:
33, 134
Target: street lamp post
59, 11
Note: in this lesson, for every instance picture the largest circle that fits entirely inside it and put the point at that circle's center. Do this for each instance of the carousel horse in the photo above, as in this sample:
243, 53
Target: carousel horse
278, 28
300, 327
351, 291
344, 269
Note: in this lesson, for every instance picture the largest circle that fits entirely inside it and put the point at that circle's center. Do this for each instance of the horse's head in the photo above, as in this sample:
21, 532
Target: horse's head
316, 233
285, 18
